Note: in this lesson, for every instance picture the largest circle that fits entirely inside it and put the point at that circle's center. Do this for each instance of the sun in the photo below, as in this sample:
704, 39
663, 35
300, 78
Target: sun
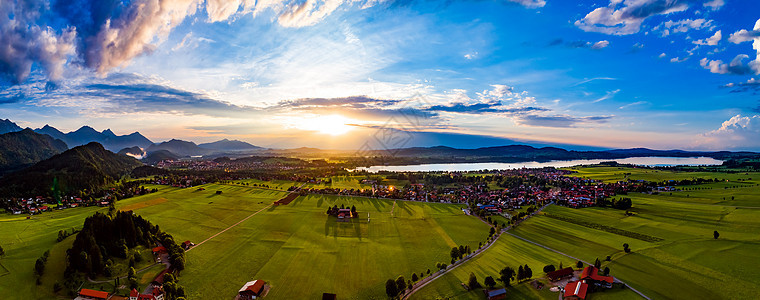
331, 124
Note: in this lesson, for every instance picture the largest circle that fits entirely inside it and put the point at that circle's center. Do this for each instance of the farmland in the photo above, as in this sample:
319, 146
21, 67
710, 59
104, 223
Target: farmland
294, 243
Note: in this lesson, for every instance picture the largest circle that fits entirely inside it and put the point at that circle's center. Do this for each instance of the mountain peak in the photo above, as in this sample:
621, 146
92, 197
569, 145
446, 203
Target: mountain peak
108, 132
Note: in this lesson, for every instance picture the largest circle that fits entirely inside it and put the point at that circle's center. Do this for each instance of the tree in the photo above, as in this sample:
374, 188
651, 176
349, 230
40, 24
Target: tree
597, 263
560, 266
414, 277
626, 248
549, 268
579, 264
528, 272
39, 266
401, 283
390, 288
716, 234
473, 282
2, 251
520, 273
454, 253
491, 232
506, 275
490, 282
606, 271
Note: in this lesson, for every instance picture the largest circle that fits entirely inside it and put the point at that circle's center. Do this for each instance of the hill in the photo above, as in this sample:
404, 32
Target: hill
157, 156
179, 147
227, 145
85, 167
23, 148
135, 152
8, 126
107, 138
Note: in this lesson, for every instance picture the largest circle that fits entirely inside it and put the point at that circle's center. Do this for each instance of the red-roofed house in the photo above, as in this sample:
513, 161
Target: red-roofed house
575, 290
156, 294
591, 275
251, 290
159, 249
88, 294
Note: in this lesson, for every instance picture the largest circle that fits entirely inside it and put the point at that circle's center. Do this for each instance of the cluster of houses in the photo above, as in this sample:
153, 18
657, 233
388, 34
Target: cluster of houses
589, 280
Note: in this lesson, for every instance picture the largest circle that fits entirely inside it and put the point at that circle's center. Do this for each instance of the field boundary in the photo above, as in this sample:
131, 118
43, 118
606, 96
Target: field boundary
613, 230
5, 272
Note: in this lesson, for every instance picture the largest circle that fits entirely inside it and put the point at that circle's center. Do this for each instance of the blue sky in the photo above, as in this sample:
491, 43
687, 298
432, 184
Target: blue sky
662, 74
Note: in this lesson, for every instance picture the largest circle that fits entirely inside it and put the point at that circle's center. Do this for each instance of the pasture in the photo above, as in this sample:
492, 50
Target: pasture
687, 263
614, 174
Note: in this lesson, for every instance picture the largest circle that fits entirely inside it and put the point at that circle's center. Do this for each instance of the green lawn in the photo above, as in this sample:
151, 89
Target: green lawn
512, 252
303, 253
614, 174
687, 264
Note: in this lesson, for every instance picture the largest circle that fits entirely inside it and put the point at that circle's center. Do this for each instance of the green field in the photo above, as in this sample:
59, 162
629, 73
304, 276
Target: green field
614, 174
302, 252
296, 244
688, 263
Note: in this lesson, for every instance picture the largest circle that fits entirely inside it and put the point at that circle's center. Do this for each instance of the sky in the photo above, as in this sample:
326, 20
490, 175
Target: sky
369, 74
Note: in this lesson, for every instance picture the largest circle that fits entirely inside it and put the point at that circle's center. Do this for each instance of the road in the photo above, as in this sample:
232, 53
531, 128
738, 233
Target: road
422, 283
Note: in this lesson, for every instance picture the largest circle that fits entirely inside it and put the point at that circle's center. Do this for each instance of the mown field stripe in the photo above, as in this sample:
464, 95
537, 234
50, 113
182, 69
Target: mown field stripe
228, 228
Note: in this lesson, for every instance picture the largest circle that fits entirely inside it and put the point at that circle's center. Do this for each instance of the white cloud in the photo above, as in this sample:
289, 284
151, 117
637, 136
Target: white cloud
629, 105
678, 60
625, 17
737, 132
714, 4
744, 35
471, 55
711, 41
600, 44
681, 26
662, 55
530, 3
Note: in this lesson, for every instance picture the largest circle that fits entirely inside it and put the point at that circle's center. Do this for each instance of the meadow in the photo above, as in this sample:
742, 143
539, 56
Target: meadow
688, 263
295, 245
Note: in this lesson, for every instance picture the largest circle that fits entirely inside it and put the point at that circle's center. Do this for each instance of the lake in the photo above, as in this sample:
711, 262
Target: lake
463, 167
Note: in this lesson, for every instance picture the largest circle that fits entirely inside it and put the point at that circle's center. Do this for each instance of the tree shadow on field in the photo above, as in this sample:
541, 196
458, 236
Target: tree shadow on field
357, 229
403, 205
319, 201
376, 204
331, 226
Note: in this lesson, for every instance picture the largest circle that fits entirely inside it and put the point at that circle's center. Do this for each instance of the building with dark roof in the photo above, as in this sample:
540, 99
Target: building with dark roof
496, 294
560, 274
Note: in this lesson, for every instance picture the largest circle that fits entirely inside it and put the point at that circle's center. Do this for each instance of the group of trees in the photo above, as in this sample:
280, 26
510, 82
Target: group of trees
458, 252
108, 235
39, 266
394, 287
333, 211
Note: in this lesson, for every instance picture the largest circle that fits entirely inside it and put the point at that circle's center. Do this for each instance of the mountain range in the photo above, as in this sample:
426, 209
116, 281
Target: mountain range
84, 167
87, 134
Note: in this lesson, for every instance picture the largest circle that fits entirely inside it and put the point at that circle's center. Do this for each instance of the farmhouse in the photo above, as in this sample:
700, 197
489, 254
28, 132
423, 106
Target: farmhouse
251, 290
159, 250
88, 294
560, 274
496, 294
187, 244
591, 275
156, 294
575, 290
344, 213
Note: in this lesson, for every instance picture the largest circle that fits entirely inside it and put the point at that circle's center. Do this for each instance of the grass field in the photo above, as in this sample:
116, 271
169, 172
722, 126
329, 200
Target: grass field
687, 264
299, 243
614, 174
26, 240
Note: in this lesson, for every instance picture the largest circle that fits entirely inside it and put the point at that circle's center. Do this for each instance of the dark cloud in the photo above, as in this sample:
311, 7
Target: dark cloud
560, 121
751, 85
350, 102
159, 98
478, 108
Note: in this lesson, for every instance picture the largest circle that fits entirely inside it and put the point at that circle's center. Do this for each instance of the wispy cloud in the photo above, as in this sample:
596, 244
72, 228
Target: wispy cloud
629, 105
